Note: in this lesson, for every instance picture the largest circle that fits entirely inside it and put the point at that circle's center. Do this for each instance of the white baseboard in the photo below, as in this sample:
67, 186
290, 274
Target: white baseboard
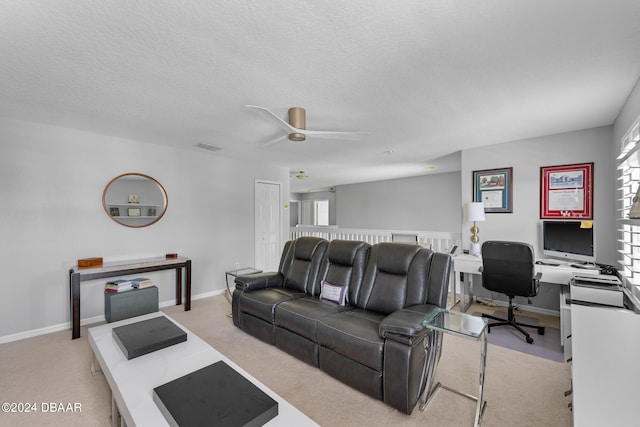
89, 320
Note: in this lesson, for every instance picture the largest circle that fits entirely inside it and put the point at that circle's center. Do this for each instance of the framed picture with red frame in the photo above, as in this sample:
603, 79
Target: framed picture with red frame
566, 191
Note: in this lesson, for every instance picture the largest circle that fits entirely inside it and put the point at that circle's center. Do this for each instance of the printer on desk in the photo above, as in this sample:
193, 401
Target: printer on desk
602, 289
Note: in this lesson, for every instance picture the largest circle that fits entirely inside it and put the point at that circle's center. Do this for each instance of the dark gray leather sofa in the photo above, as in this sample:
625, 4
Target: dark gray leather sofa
375, 342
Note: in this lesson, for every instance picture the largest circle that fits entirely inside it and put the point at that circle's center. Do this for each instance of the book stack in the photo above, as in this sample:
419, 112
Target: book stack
141, 282
118, 286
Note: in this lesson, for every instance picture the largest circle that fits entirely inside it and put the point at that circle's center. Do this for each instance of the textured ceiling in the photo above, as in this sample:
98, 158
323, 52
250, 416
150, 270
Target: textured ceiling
425, 78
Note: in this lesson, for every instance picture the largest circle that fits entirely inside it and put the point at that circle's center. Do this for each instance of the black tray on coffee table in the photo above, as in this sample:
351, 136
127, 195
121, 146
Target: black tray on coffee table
216, 395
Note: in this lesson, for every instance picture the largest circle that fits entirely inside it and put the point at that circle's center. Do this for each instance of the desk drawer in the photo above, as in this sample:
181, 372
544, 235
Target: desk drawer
467, 264
553, 274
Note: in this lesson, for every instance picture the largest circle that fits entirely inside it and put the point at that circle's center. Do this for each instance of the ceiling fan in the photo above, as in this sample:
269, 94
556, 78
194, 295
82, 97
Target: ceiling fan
296, 127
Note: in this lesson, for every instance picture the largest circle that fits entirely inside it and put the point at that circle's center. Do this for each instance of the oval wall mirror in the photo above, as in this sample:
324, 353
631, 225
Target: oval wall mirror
134, 200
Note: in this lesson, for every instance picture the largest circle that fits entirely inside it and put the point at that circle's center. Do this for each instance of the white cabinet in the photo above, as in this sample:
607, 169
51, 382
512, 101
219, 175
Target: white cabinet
606, 366
565, 322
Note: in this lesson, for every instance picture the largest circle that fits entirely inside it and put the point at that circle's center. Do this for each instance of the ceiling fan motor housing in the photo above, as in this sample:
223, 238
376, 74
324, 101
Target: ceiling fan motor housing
297, 119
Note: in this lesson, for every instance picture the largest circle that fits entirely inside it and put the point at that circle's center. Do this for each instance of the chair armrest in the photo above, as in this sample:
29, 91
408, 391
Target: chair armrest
406, 324
536, 283
252, 282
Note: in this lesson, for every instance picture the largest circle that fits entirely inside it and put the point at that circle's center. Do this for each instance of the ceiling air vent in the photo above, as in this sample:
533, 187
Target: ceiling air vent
208, 147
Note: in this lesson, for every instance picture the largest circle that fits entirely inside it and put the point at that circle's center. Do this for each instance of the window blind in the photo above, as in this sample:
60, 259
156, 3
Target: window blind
628, 163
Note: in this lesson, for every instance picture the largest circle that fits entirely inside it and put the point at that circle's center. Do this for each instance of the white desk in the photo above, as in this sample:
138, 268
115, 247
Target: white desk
469, 265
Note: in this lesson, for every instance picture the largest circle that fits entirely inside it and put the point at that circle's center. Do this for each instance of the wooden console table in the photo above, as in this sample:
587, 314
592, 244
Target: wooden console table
77, 275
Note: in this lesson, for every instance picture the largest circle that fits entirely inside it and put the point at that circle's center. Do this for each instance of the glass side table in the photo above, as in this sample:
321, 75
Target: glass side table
235, 273
466, 326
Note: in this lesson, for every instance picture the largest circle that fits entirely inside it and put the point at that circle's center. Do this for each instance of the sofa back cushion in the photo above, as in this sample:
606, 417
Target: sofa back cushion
397, 276
301, 262
343, 265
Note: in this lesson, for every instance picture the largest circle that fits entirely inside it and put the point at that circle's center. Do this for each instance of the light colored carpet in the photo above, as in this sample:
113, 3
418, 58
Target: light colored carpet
520, 389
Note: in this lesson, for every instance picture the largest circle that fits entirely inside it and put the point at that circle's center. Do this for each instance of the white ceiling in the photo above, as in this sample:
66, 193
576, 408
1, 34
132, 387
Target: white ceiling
425, 78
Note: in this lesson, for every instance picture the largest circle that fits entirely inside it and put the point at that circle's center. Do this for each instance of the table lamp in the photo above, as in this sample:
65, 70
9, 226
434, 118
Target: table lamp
475, 212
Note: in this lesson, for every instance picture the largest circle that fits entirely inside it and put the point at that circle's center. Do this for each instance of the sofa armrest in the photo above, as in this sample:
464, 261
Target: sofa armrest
252, 282
405, 325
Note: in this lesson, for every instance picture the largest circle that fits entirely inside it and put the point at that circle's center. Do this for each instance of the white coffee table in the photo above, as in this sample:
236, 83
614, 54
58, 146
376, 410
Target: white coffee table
132, 381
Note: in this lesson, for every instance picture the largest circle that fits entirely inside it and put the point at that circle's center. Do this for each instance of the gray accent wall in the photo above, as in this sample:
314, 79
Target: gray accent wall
427, 202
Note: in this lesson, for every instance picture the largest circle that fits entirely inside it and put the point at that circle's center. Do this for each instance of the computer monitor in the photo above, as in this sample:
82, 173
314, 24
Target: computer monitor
569, 240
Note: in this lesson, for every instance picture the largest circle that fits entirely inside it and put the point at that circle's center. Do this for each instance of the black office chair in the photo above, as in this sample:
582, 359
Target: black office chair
509, 268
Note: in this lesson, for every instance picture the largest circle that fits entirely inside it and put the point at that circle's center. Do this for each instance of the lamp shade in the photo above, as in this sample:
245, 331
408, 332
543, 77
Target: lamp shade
475, 211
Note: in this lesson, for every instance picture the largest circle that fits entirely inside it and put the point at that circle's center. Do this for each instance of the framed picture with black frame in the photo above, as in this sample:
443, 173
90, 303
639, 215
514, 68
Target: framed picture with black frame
494, 188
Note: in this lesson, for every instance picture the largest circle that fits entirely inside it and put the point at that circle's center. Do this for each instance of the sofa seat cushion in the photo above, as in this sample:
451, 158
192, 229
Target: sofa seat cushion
353, 334
300, 315
262, 303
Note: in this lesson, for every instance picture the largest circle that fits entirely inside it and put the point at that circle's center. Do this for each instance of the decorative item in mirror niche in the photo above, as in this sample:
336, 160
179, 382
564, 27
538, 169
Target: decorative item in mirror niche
134, 200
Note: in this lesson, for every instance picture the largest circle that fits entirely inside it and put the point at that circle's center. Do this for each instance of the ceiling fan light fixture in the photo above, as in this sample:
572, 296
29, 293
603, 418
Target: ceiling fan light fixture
297, 137
297, 119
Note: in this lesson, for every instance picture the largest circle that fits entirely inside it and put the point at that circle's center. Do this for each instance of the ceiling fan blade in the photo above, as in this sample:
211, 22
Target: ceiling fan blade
329, 133
282, 123
336, 136
275, 140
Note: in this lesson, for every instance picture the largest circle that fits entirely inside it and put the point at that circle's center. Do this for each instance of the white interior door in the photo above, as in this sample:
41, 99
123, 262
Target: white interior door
268, 225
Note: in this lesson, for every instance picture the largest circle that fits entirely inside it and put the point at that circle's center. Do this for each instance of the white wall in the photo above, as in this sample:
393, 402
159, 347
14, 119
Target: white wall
51, 183
526, 157
627, 116
427, 202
